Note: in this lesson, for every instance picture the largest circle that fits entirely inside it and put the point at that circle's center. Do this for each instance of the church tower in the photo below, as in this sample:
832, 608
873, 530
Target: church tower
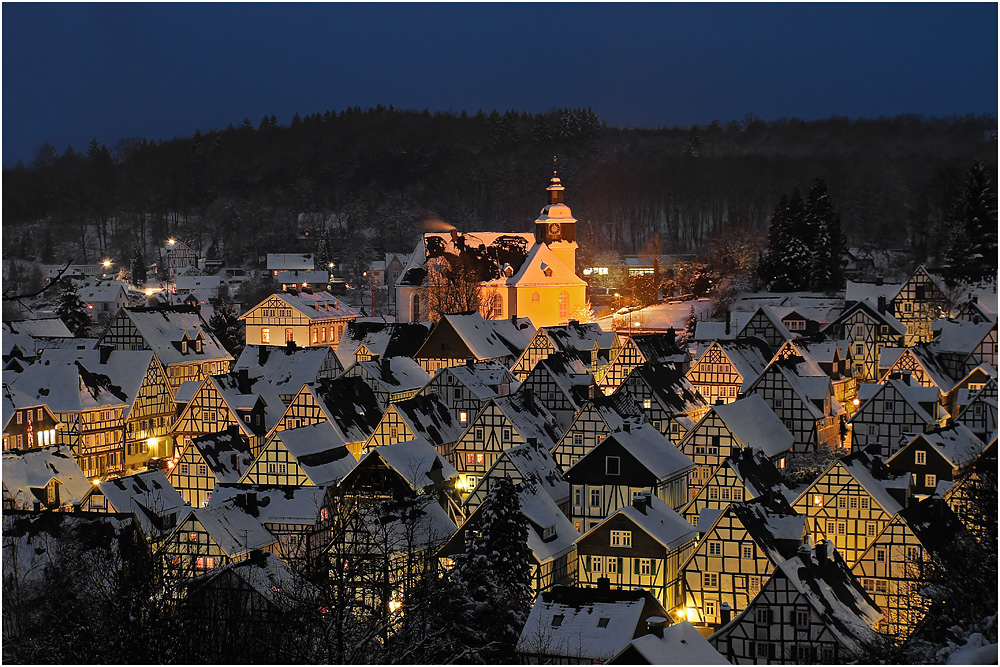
556, 226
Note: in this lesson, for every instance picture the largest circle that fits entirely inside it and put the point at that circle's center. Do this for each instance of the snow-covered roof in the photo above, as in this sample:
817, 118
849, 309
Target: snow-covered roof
429, 417
871, 291
670, 386
161, 328
860, 465
514, 332
396, 373
227, 454
119, 370
268, 575
482, 376
286, 370
538, 468
315, 305
350, 404
101, 293
295, 276
241, 397
64, 385
290, 261
754, 424
386, 339
414, 460
51, 327
757, 473
584, 623
914, 395
870, 306
681, 644
958, 337
233, 529
577, 337
749, 356
569, 374
530, 418
478, 334
486, 251
407, 526
956, 443
320, 451
887, 356
187, 391
299, 505
772, 523
150, 497
26, 474
658, 520
650, 447
541, 266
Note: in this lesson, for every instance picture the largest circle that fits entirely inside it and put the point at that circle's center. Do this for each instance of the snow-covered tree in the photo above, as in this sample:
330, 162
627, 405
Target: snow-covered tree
687, 335
225, 324
823, 226
72, 311
972, 254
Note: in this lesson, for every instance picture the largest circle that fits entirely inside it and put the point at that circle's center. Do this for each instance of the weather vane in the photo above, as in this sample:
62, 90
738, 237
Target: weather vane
555, 160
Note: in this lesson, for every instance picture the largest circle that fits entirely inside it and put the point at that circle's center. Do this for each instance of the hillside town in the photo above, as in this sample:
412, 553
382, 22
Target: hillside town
482, 449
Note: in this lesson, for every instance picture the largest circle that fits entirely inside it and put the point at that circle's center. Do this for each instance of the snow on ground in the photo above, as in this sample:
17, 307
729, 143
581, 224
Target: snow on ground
971, 654
660, 316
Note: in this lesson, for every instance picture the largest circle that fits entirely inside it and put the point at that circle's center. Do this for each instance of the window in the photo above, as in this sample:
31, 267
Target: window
865, 503
868, 584
621, 538
597, 564
505, 435
817, 501
535, 298
479, 435
871, 530
646, 567
913, 554
763, 617
463, 417
930, 480
612, 465
612, 564
192, 537
842, 502
184, 468
563, 305
724, 493
738, 492
747, 551
852, 502
880, 555
203, 470
713, 493
578, 439
754, 584
595, 497
578, 497
921, 458
881, 586
710, 608
558, 618
393, 432
315, 335
801, 619
714, 447
603, 622
265, 335
20, 416
470, 458
324, 514
715, 548
647, 404
710, 579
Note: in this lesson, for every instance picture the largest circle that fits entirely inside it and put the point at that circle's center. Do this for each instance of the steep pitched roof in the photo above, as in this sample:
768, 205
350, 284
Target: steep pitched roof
482, 376
119, 371
681, 644
298, 505
876, 479
64, 385
772, 523
414, 460
162, 327
515, 333
351, 405
870, 308
320, 451
530, 418
226, 453
955, 443
315, 306
233, 529
658, 520
150, 497
396, 373
959, 337
754, 424
386, 339
650, 447
429, 418
286, 370
27, 473
268, 575
670, 386
757, 473
577, 337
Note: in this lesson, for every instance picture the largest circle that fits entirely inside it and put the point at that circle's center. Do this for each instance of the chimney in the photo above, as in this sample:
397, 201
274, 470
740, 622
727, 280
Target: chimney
105, 353
243, 381
250, 503
533, 442
725, 613
627, 426
385, 366
262, 354
603, 586
574, 323
879, 281
529, 396
881, 303
975, 298
642, 501
470, 361
729, 321
655, 625
671, 337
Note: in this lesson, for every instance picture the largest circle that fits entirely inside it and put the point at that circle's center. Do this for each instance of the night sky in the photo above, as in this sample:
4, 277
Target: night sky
72, 72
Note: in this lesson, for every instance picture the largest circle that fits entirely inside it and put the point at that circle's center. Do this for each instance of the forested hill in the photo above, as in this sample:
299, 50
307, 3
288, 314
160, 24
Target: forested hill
369, 176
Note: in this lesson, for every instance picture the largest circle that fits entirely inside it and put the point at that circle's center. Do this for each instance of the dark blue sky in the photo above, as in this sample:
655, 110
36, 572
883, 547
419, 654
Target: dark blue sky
72, 72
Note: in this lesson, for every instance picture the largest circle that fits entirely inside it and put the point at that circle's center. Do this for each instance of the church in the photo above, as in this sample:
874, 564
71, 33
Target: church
518, 274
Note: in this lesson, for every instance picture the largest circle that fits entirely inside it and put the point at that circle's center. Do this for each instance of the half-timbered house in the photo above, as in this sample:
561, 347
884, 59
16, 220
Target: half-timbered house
639, 349
927, 369
364, 339
727, 368
425, 416
157, 506
209, 460
314, 455
801, 395
42, 478
596, 419
176, 256
979, 409
211, 537
550, 534
922, 299
939, 454
27, 426
393, 380
973, 310
570, 625
455, 338
868, 327
178, 336
961, 346
834, 358
727, 427
967, 496
625, 463
641, 545
562, 384
529, 462
744, 475
307, 319
234, 399
851, 502
504, 422
736, 554
667, 398
766, 324
347, 403
467, 388
286, 370
594, 346
679, 644
889, 410
810, 611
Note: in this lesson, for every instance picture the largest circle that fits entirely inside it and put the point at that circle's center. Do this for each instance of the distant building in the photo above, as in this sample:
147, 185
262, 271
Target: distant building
304, 318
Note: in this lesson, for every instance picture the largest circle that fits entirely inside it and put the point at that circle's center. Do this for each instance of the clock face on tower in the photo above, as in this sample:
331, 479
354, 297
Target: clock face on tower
553, 229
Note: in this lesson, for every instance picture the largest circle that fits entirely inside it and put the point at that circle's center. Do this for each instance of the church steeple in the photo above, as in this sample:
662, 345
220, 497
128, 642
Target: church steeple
555, 185
556, 226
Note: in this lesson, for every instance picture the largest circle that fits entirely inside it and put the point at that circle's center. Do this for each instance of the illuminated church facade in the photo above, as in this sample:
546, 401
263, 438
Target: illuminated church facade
526, 274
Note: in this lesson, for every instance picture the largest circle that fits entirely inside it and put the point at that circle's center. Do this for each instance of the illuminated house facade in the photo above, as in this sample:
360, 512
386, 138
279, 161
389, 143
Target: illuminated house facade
303, 318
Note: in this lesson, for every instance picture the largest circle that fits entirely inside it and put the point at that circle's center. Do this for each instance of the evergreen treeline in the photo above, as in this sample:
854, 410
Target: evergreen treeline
364, 177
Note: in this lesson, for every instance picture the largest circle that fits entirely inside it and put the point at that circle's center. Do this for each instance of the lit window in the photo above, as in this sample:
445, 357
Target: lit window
930, 481
647, 403
817, 500
710, 579
463, 417
192, 537
921, 458
265, 335
621, 538
715, 548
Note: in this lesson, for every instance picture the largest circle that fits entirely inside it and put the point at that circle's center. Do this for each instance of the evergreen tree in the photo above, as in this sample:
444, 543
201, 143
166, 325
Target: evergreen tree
687, 335
225, 324
496, 571
72, 311
138, 267
822, 228
972, 253
48, 247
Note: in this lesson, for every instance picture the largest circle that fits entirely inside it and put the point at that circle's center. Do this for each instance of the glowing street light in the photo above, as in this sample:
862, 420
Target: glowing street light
107, 264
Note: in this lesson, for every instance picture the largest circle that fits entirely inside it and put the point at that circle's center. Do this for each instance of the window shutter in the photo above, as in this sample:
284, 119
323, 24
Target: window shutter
586, 563
770, 621
652, 566
770, 651
620, 562
635, 563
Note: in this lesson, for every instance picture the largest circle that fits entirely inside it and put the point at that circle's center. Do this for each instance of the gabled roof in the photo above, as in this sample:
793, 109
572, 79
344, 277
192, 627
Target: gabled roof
577, 337
807, 381
351, 405
613, 410
122, 370
874, 477
482, 376
315, 306
871, 291
923, 353
150, 497
569, 374
477, 334
429, 418
227, 454
268, 575
937, 527
52, 327
290, 260
823, 578
681, 644
649, 447
530, 418
233, 529
161, 327
870, 307
955, 443
670, 386
959, 337
541, 266
286, 370
27, 473
514, 332
754, 424
395, 373
239, 396
414, 460
658, 520
772, 523
64, 385
407, 526
273, 504
386, 339
757, 473
486, 252
748, 356
538, 469
320, 451
773, 315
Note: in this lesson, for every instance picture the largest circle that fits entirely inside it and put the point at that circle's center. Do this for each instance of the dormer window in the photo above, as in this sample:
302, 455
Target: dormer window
197, 345
184, 347
549, 533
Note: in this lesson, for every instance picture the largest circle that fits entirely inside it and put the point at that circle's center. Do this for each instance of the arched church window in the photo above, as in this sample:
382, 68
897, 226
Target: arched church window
564, 305
416, 308
535, 298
